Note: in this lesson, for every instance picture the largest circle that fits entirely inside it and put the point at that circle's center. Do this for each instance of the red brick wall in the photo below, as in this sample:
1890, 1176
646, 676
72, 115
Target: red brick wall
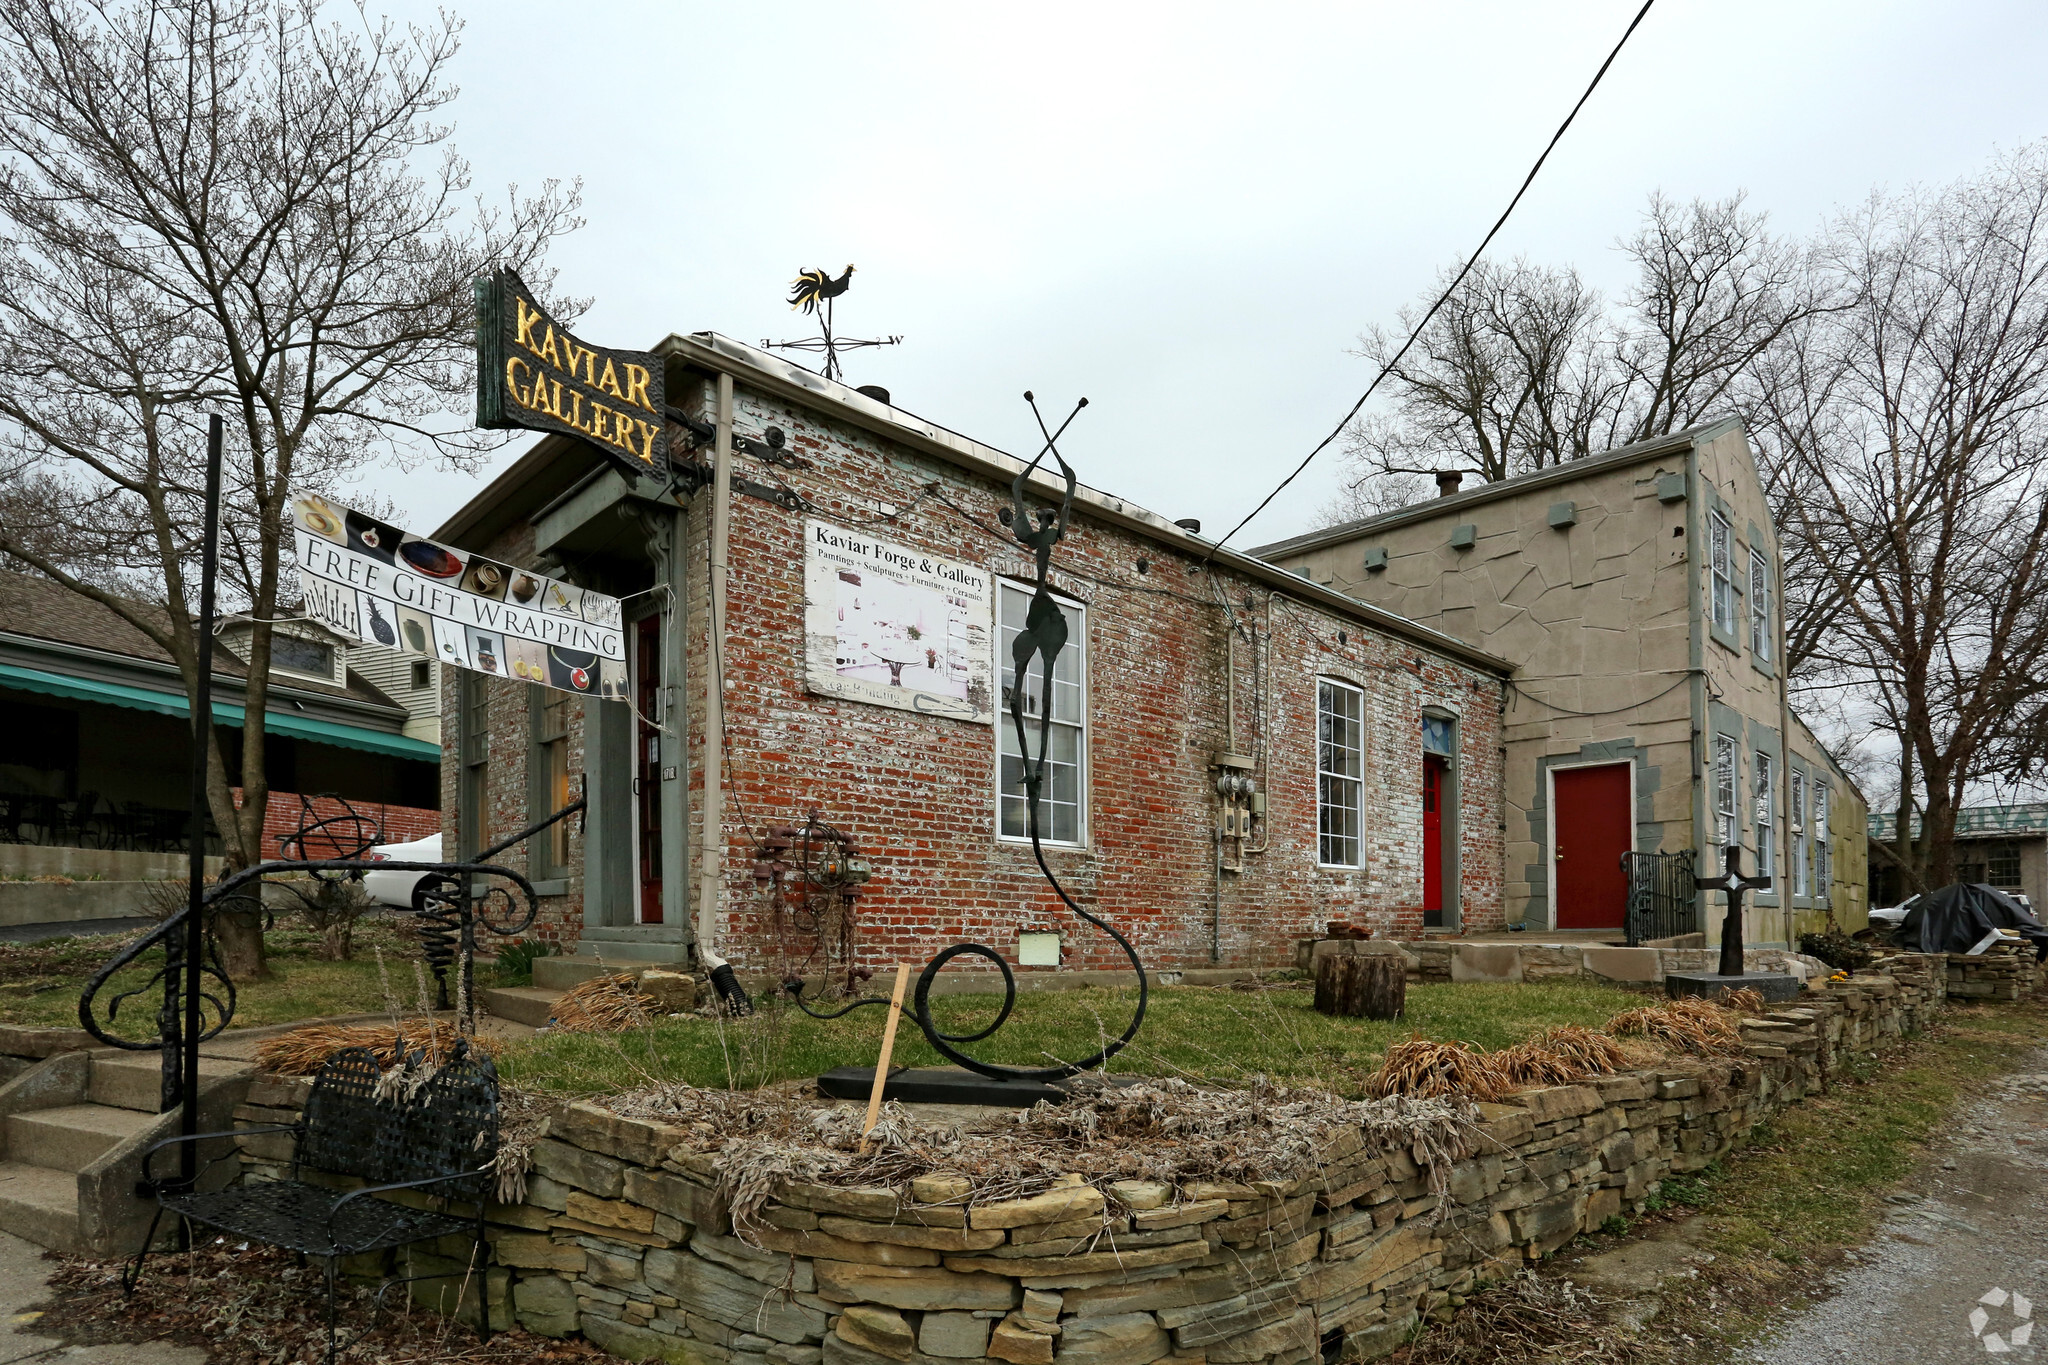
286, 812
917, 792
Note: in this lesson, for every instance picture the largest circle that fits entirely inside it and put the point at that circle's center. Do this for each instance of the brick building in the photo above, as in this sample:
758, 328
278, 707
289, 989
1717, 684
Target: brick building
1335, 722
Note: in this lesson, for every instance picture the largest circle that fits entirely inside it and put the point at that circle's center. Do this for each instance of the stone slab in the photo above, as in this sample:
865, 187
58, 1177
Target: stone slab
1499, 963
1773, 986
1624, 964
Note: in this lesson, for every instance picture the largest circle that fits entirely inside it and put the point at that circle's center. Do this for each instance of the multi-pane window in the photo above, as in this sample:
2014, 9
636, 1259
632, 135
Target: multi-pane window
1720, 540
1060, 799
1759, 606
2002, 863
1726, 832
1797, 847
1823, 855
1766, 825
1340, 772
549, 773
474, 701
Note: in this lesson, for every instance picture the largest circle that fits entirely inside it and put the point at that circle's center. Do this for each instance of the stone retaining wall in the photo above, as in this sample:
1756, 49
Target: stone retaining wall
623, 1238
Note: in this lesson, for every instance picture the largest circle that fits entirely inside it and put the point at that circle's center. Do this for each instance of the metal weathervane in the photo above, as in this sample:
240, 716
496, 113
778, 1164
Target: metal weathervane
1040, 642
813, 291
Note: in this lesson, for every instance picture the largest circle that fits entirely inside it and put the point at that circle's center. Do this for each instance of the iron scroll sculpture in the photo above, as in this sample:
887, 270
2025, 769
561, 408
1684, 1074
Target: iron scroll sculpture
1040, 641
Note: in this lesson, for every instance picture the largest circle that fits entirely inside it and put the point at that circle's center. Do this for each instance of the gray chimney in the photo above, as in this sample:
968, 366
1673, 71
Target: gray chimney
1447, 481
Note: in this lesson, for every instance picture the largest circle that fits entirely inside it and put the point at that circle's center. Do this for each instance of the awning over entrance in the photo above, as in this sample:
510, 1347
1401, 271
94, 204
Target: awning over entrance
174, 704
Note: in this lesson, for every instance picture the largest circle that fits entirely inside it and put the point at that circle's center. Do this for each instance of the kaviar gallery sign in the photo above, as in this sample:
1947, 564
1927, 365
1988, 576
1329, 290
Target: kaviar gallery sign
533, 373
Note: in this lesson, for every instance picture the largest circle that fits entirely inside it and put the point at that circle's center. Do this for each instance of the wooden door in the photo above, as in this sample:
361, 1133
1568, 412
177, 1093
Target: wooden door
1592, 827
647, 764
1434, 770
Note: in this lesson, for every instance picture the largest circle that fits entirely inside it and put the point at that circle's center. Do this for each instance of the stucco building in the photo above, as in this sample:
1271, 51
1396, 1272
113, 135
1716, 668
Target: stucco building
1241, 757
1636, 593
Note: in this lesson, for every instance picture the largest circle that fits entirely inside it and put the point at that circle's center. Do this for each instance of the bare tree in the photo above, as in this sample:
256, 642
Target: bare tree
226, 206
1526, 367
1909, 428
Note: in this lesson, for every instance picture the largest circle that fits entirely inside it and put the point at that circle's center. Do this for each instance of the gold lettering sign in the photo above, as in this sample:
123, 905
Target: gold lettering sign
533, 373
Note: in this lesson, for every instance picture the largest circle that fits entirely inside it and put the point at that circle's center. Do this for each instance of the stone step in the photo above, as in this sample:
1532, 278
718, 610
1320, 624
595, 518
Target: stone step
137, 1082
71, 1137
40, 1205
529, 1005
558, 974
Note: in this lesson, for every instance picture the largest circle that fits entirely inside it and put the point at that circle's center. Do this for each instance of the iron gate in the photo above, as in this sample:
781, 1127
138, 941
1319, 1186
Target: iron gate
1662, 898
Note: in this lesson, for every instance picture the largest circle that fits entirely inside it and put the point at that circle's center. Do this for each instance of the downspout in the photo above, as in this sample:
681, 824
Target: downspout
711, 865
1788, 851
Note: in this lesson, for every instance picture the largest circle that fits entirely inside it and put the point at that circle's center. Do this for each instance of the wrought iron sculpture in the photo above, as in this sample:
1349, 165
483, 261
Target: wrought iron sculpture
1040, 641
1734, 884
182, 936
813, 290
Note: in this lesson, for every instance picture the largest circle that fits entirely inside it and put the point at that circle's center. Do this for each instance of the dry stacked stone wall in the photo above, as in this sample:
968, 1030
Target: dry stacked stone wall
624, 1238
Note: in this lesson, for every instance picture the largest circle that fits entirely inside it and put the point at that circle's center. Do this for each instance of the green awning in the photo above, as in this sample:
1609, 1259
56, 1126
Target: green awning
224, 713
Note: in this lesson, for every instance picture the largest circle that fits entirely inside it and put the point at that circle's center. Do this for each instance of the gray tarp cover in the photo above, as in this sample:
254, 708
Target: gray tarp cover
1956, 918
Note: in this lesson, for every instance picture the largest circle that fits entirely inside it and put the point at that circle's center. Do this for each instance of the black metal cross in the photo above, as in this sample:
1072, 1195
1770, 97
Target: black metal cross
1734, 883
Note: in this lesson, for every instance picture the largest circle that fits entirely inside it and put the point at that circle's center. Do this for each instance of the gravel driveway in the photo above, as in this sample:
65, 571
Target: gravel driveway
1958, 1267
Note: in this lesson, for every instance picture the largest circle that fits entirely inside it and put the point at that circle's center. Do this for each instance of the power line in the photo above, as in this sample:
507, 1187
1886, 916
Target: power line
1444, 297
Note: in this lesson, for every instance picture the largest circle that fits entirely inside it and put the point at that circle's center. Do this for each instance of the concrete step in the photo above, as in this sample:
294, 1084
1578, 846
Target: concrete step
137, 1082
558, 974
72, 1136
40, 1205
529, 1005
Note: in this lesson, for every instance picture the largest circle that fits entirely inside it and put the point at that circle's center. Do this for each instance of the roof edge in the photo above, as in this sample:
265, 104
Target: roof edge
1632, 453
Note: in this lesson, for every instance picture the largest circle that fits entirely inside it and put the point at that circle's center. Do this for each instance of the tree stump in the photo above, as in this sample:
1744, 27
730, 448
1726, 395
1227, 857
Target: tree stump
1364, 986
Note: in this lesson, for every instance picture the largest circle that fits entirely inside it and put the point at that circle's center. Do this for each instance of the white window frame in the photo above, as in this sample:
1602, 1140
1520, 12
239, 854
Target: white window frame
1759, 605
1763, 815
1727, 797
1720, 564
1796, 847
337, 671
1325, 688
1006, 728
1823, 854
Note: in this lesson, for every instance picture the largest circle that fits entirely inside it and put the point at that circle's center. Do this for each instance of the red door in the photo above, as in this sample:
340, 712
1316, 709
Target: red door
1593, 826
1433, 770
647, 766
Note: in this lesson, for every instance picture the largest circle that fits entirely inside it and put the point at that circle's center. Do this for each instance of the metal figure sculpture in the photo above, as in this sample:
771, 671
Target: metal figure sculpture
1039, 643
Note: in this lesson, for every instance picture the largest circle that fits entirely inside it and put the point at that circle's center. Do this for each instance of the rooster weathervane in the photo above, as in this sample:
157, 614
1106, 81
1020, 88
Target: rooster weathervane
813, 291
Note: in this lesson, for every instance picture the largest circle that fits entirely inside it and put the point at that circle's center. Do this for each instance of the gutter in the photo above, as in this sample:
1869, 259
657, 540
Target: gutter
107, 666
726, 358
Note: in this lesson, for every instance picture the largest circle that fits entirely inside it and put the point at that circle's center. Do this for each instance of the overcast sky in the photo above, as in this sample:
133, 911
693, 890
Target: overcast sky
1185, 212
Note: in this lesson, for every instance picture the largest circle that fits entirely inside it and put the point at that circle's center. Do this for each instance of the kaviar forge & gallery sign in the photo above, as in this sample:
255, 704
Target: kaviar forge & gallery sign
532, 373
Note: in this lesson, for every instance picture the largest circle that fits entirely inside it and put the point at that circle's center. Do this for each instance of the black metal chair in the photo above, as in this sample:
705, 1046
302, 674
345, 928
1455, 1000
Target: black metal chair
439, 1141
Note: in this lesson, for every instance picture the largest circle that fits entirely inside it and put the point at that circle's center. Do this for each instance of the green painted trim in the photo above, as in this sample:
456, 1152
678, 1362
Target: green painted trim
224, 713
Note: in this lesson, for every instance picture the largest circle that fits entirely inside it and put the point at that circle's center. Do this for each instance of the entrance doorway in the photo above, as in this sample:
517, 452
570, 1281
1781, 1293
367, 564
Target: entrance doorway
647, 764
1434, 772
1593, 824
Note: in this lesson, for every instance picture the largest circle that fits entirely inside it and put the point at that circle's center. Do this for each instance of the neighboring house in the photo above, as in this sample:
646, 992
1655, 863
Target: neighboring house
1636, 593
308, 650
864, 661
94, 735
2001, 846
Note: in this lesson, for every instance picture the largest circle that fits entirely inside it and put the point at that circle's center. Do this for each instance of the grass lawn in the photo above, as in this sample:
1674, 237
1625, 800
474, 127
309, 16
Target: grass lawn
40, 982
1211, 1032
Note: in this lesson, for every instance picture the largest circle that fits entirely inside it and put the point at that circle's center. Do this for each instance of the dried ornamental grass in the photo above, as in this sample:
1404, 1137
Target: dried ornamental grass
1168, 1130
603, 1004
304, 1051
1690, 1025
1590, 1050
1423, 1067
1746, 1001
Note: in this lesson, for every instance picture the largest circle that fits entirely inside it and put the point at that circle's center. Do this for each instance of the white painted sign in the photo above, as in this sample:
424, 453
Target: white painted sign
893, 626
373, 582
